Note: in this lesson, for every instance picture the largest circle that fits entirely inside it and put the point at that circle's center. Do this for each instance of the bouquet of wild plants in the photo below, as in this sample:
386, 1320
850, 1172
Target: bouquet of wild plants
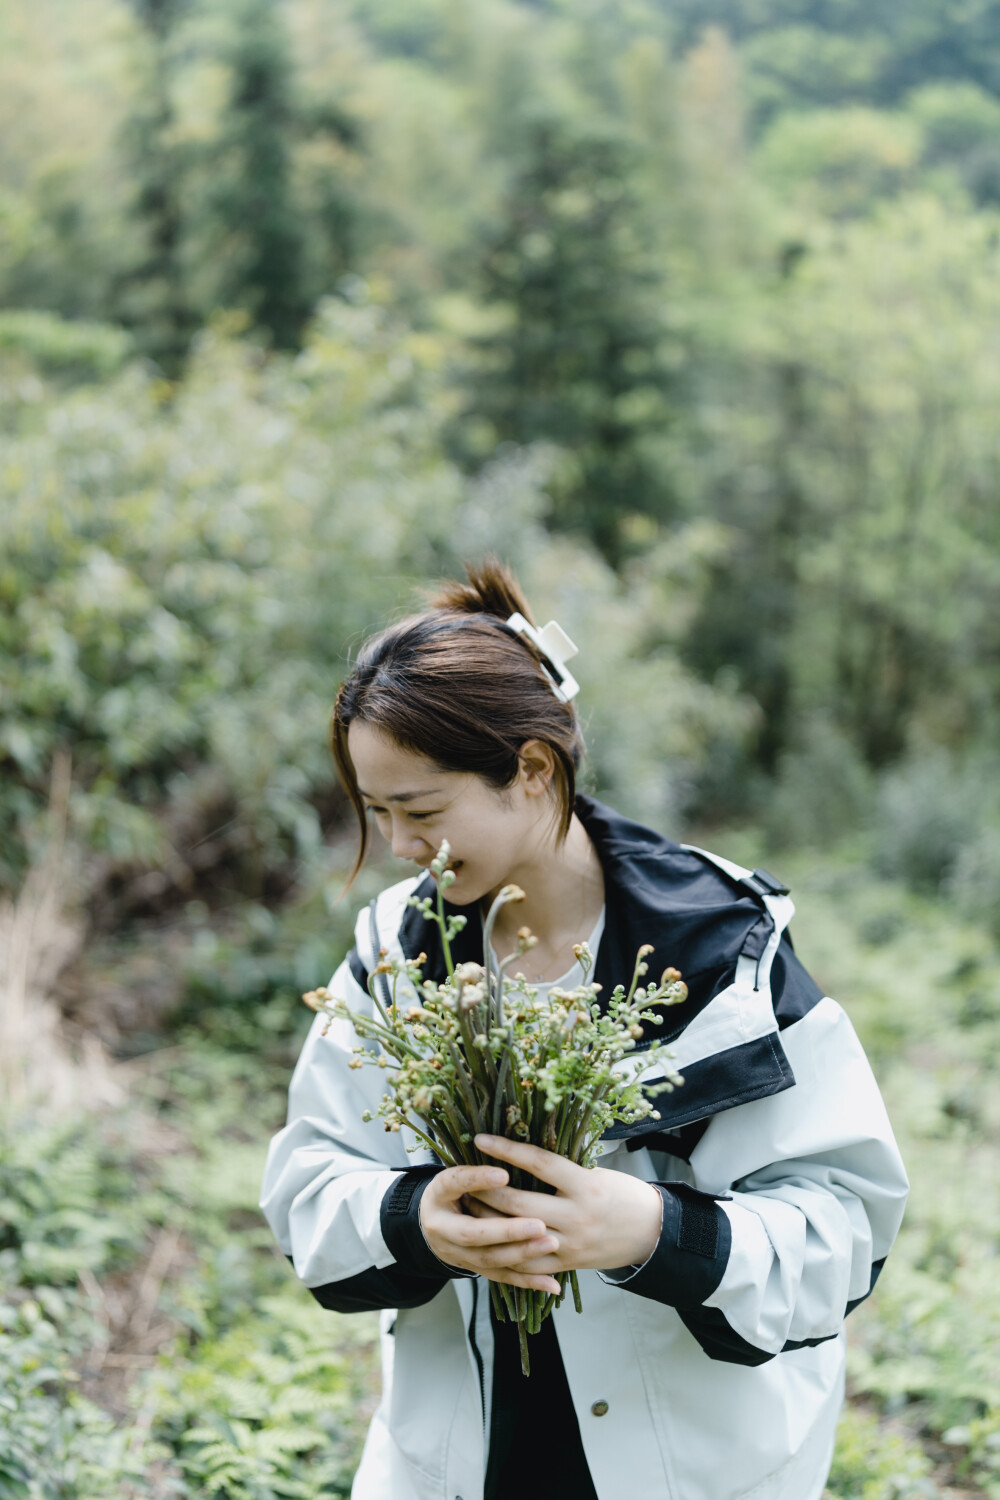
482, 1052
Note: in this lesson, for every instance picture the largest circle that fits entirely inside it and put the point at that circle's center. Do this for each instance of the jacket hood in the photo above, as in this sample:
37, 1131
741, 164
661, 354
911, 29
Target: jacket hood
699, 919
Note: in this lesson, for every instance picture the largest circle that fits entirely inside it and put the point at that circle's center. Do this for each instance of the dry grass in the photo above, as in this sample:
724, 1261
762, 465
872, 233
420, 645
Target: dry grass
41, 1066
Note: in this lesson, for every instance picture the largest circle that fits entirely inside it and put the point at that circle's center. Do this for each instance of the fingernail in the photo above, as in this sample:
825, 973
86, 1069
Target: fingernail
485, 1141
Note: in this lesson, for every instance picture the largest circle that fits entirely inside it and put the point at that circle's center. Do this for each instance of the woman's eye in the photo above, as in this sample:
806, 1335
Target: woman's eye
421, 816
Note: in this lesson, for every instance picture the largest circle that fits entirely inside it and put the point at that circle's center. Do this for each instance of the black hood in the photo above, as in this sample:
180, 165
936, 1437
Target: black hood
698, 919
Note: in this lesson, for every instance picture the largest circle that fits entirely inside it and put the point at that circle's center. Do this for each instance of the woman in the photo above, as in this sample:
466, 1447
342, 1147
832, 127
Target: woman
719, 1247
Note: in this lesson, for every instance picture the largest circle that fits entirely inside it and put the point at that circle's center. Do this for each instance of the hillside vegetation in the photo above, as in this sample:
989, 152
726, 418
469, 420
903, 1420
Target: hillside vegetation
689, 311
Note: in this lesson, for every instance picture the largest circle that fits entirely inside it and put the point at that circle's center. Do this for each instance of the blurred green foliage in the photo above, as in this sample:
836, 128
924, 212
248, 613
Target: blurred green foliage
184, 567
249, 1398
641, 276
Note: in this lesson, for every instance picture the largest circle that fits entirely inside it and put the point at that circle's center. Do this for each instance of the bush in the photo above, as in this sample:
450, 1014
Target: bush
54, 1444
822, 791
273, 1407
183, 568
930, 808
253, 1397
77, 350
871, 1463
974, 880
186, 568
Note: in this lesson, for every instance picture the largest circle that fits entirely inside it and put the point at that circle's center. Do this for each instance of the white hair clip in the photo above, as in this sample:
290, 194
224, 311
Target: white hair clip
557, 648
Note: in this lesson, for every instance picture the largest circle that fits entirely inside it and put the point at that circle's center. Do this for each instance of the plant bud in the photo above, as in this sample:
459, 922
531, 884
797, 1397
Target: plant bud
468, 973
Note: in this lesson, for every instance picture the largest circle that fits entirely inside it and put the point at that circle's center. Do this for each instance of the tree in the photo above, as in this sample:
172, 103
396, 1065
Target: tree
853, 464
152, 295
260, 232
577, 356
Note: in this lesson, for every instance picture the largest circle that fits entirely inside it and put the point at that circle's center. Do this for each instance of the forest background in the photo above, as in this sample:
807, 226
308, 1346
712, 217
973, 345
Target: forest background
689, 308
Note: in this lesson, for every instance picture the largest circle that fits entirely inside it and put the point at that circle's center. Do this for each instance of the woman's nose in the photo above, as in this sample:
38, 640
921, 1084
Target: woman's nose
406, 844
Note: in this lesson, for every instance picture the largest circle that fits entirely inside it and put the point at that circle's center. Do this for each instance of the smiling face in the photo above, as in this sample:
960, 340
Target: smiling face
492, 832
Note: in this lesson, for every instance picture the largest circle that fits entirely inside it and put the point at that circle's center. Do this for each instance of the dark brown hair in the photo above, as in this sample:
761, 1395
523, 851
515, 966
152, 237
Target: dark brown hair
457, 685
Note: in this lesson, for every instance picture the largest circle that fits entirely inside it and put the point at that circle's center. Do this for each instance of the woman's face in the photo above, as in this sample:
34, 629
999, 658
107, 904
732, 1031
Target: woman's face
417, 805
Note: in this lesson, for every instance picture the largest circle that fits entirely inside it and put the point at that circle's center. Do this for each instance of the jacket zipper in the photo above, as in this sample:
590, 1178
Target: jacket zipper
477, 1356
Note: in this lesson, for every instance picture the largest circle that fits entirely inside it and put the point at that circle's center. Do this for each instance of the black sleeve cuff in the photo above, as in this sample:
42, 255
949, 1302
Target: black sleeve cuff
692, 1252
400, 1222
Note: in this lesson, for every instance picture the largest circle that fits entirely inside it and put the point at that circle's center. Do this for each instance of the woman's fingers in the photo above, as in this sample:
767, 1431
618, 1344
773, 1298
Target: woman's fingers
453, 1182
472, 1203
530, 1258
545, 1165
500, 1231
523, 1203
532, 1283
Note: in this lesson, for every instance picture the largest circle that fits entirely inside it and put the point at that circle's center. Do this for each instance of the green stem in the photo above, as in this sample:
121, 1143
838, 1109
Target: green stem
497, 1300
477, 1060
500, 1094
443, 926
522, 1339
372, 988
431, 1144
389, 1040
636, 976
491, 917
578, 1139
467, 1091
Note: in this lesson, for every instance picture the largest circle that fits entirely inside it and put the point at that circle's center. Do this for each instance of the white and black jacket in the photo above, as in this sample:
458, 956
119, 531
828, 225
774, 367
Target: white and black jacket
715, 1371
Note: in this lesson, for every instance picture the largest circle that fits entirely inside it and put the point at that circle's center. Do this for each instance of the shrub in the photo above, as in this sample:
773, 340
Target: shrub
974, 880
929, 808
871, 1463
822, 791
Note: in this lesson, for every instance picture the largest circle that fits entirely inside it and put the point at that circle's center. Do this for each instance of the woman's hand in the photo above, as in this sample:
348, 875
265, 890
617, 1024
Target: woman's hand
596, 1219
599, 1219
495, 1245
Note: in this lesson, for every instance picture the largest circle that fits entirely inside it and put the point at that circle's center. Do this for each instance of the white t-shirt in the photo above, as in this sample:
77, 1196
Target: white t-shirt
573, 976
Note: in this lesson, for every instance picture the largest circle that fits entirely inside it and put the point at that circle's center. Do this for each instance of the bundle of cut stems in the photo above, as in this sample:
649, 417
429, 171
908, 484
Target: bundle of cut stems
484, 1053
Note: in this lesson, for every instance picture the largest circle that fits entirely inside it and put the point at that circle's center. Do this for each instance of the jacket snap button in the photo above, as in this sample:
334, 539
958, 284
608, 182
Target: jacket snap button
599, 1408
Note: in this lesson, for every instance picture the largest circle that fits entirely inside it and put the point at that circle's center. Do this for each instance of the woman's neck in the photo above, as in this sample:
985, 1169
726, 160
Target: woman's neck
563, 886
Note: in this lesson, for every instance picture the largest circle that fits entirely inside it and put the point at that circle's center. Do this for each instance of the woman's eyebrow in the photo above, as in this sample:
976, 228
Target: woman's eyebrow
400, 796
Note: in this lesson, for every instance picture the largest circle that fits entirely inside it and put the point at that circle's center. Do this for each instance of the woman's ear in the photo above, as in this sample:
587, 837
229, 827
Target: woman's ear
536, 766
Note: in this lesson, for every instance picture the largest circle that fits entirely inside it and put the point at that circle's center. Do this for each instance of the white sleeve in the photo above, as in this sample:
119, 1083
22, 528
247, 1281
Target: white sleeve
811, 1227
795, 1202
328, 1171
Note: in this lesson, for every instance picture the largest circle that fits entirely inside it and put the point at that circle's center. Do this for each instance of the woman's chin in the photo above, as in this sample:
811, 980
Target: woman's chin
462, 892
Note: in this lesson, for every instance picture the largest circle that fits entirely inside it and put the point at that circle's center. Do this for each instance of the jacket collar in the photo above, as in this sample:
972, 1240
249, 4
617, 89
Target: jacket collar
698, 919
